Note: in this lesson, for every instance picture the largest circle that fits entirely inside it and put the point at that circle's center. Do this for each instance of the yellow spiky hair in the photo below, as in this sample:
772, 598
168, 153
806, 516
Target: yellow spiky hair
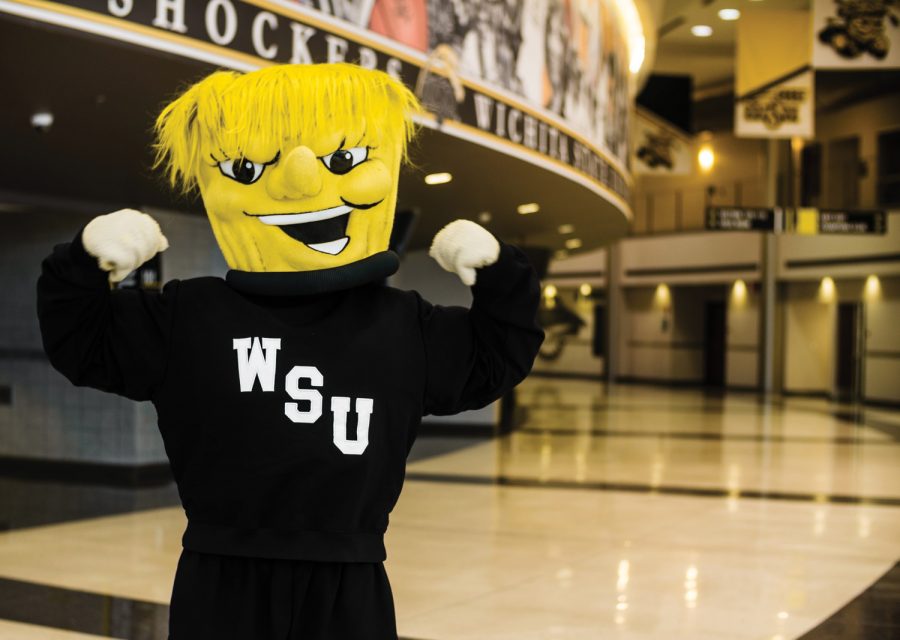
227, 110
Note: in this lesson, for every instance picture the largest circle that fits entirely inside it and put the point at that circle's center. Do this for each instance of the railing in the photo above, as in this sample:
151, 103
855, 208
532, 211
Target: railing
667, 206
683, 208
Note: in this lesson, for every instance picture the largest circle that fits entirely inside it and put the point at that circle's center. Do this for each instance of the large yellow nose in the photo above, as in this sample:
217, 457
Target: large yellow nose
295, 176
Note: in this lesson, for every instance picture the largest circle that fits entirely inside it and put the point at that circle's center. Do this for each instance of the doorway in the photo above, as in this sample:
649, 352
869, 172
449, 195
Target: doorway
714, 345
849, 349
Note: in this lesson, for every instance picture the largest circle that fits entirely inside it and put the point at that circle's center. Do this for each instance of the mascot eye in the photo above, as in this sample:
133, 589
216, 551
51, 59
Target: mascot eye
242, 170
342, 160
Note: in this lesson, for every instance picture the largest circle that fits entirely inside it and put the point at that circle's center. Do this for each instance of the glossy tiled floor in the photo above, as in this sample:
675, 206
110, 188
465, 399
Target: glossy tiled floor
638, 513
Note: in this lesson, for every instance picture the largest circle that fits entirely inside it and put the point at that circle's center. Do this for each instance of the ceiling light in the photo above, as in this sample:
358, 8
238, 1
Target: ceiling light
573, 243
484, 217
701, 30
530, 207
41, 120
438, 178
566, 228
729, 14
585, 290
561, 254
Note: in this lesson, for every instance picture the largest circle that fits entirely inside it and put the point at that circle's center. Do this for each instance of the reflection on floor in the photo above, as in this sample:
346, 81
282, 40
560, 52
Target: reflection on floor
625, 513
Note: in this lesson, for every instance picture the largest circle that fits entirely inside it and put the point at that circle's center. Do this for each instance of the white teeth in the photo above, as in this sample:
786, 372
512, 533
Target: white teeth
333, 248
279, 219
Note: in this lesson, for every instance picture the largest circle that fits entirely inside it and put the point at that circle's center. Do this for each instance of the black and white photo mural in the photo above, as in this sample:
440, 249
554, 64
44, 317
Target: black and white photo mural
569, 57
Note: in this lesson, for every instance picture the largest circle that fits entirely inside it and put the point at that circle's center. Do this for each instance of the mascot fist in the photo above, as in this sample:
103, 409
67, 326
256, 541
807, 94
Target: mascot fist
122, 241
463, 246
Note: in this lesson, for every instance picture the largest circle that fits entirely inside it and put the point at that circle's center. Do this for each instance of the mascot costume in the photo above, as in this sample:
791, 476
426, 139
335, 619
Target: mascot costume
288, 394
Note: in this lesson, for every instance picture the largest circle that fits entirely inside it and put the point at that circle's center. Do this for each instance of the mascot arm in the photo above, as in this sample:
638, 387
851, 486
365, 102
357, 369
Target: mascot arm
112, 340
476, 355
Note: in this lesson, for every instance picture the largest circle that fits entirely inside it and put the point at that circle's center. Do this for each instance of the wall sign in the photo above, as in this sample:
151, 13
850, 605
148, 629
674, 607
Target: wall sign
802, 221
811, 221
744, 219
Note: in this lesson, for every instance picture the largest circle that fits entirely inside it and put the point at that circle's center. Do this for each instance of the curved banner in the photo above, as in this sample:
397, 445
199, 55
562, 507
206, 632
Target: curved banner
531, 113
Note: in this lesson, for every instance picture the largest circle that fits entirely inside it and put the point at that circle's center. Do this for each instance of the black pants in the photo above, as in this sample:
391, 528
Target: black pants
234, 598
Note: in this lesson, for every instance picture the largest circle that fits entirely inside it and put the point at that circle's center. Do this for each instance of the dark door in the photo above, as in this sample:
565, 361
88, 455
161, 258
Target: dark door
847, 365
714, 345
843, 173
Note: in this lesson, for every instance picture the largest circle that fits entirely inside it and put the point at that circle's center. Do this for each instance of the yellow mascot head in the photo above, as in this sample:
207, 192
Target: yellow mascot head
297, 165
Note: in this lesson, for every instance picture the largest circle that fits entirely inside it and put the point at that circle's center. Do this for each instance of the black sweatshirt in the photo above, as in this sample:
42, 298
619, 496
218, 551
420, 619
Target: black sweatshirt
263, 400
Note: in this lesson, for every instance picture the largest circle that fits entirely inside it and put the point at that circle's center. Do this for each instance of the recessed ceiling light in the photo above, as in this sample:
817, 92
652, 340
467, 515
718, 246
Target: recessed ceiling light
701, 30
530, 207
484, 217
41, 120
573, 243
729, 14
438, 178
562, 254
566, 228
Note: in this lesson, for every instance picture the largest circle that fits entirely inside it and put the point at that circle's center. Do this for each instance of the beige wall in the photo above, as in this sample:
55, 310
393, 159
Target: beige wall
809, 327
742, 343
866, 120
681, 254
666, 343
670, 203
649, 350
882, 364
811, 335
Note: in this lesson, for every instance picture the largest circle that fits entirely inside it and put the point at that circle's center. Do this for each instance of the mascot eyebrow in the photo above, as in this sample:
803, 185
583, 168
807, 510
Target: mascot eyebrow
229, 112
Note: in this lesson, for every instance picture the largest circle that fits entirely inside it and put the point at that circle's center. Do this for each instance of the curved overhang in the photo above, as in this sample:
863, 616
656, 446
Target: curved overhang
525, 152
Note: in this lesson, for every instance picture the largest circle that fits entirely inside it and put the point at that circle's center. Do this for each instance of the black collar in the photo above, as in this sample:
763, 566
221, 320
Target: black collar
291, 283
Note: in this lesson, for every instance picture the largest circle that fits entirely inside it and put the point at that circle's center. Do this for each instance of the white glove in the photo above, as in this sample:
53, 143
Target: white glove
463, 246
122, 241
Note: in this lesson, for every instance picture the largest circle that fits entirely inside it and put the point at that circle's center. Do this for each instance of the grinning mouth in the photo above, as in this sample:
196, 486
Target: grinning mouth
324, 231
326, 236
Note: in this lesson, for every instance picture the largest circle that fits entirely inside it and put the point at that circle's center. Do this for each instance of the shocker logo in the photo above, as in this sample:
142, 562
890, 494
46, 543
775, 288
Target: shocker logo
775, 109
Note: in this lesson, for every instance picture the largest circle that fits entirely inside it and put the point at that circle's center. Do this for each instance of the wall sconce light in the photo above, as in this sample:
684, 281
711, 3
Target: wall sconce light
706, 158
827, 290
872, 290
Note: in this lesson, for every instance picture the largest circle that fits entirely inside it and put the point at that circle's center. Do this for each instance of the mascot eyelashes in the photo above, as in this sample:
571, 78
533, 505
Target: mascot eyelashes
288, 394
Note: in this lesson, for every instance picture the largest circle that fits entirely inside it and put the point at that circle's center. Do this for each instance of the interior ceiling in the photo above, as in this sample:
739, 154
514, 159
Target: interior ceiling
96, 157
710, 61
